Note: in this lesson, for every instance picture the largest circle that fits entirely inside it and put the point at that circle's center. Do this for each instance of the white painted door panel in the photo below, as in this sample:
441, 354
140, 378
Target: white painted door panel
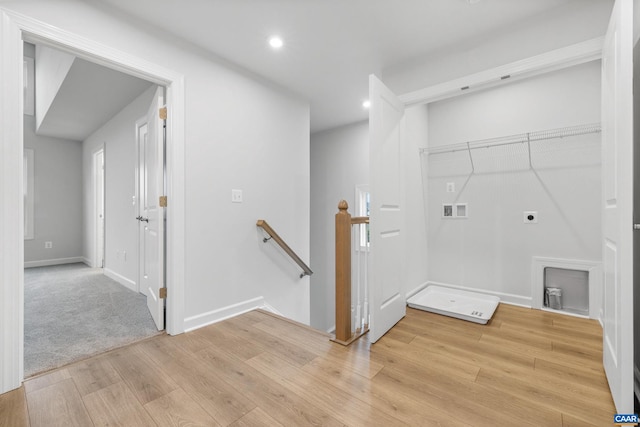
386, 123
617, 165
151, 177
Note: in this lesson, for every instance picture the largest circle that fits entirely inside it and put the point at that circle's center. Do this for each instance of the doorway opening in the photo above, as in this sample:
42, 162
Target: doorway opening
16, 30
80, 285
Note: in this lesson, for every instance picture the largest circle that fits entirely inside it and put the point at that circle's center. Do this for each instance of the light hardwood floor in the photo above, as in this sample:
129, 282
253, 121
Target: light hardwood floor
526, 367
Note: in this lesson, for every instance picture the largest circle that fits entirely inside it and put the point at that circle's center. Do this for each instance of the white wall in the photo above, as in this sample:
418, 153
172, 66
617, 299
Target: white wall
339, 162
52, 67
239, 133
118, 138
415, 212
562, 27
493, 249
58, 198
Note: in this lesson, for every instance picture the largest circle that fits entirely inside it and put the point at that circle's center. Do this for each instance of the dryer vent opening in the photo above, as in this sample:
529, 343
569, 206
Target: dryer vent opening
567, 290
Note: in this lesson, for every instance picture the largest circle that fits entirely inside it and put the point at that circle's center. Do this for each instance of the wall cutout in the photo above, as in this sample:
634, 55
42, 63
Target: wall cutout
567, 274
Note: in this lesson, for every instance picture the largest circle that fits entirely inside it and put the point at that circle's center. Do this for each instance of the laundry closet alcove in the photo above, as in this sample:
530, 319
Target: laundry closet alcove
510, 175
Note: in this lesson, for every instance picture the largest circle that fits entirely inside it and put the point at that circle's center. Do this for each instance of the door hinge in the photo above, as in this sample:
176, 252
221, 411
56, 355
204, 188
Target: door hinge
163, 201
162, 294
163, 113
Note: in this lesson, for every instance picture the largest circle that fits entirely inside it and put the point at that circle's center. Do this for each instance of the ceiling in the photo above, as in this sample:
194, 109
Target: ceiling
331, 46
89, 96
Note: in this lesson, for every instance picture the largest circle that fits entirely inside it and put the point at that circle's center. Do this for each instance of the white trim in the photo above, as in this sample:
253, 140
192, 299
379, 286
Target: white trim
13, 28
512, 299
138, 126
55, 261
127, 283
98, 260
88, 263
268, 307
223, 313
594, 269
558, 59
563, 312
11, 220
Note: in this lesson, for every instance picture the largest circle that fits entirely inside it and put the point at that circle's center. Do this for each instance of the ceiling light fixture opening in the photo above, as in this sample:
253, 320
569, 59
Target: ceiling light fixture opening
276, 42
366, 104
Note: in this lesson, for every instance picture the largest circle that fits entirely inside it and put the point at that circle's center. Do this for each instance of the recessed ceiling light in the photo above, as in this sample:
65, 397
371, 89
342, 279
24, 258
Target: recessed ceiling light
276, 42
366, 103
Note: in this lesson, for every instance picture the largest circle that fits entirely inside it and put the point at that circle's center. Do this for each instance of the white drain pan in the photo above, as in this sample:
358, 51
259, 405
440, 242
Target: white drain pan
465, 305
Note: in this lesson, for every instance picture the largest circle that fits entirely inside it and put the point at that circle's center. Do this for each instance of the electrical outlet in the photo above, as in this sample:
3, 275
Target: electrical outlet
236, 196
48, 245
451, 187
530, 217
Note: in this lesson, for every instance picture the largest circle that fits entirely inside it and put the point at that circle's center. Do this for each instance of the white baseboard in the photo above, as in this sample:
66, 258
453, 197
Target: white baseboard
214, 316
127, 283
512, 299
268, 307
58, 261
87, 261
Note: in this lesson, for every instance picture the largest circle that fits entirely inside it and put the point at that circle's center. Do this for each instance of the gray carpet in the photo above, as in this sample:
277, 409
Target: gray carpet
73, 311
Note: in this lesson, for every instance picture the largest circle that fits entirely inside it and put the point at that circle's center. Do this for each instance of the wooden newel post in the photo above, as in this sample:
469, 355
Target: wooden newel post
343, 272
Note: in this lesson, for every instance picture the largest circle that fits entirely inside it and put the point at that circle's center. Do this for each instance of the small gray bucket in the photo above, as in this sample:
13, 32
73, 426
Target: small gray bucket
553, 298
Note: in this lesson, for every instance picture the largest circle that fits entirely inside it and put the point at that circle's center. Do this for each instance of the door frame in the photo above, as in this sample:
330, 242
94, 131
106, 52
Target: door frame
99, 187
14, 29
140, 123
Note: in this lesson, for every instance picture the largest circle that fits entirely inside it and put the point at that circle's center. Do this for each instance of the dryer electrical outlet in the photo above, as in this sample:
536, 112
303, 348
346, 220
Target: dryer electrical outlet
530, 217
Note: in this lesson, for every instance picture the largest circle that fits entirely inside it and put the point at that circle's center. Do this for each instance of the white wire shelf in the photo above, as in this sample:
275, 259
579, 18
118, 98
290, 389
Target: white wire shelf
522, 138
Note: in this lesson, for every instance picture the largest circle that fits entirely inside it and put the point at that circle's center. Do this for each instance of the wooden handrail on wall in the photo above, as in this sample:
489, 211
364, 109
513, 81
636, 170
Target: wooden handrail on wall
306, 271
344, 221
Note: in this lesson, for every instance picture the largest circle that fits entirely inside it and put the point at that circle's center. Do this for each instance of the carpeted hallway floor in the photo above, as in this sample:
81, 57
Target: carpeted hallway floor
73, 311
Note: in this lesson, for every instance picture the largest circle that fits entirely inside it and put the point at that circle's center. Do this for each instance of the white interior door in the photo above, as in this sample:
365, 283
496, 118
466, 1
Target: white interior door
617, 165
386, 123
151, 217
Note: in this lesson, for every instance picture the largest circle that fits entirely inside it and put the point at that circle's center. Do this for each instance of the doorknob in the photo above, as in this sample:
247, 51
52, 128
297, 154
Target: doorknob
636, 226
144, 219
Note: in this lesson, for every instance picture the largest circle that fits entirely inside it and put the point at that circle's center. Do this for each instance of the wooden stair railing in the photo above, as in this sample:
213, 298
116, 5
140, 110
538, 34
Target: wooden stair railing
306, 271
344, 222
